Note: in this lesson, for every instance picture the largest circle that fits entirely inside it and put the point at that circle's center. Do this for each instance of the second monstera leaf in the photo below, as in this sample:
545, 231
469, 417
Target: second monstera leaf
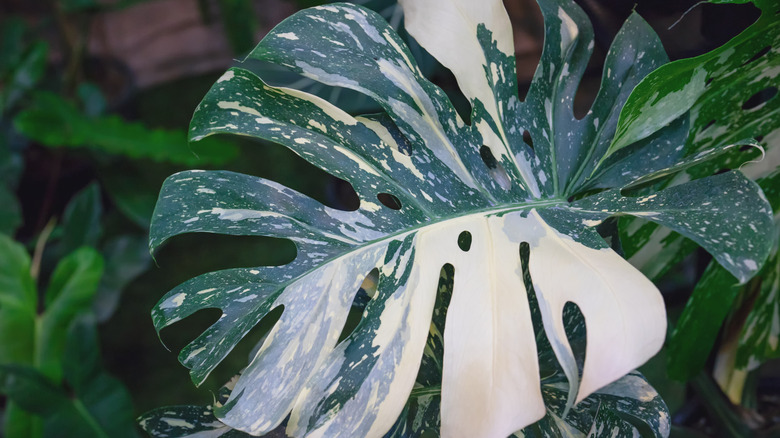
470, 195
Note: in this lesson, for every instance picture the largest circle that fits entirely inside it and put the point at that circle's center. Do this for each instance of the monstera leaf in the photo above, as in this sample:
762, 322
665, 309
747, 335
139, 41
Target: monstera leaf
730, 94
465, 196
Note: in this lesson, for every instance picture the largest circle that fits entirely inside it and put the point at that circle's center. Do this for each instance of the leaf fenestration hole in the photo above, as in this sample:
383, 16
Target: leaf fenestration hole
464, 241
364, 295
247, 347
527, 138
710, 123
758, 54
576, 331
389, 201
495, 169
757, 100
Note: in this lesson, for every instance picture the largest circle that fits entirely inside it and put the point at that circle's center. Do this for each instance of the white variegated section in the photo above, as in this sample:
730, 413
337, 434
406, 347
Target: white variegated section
490, 385
453, 40
399, 341
316, 304
624, 312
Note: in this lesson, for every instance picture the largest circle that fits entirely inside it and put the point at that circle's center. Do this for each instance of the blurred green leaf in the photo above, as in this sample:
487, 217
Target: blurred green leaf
81, 220
126, 258
24, 75
92, 99
53, 121
240, 24
18, 304
70, 292
699, 325
11, 213
133, 189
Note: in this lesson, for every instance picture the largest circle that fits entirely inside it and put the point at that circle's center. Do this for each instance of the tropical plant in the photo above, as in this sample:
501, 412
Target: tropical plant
497, 303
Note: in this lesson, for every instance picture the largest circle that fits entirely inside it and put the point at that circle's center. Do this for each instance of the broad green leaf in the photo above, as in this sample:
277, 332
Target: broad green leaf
715, 87
455, 183
70, 292
96, 405
18, 304
55, 122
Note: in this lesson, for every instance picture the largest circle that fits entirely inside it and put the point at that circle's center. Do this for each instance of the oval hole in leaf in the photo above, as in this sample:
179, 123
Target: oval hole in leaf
758, 54
464, 241
341, 195
366, 292
708, 81
757, 100
389, 201
527, 139
710, 123
495, 169
245, 350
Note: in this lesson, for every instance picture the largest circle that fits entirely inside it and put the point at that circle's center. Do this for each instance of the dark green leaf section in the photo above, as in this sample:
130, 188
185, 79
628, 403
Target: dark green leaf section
577, 145
55, 122
733, 209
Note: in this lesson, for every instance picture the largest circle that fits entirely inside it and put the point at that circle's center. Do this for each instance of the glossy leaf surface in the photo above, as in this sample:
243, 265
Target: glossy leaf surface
451, 180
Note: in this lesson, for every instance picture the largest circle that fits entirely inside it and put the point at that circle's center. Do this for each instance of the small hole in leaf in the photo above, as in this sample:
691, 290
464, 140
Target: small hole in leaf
389, 201
759, 138
527, 139
495, 168
710, 123
464, 241
760, 98
719, 171
745, 148
709, 80
759, 54
363, 296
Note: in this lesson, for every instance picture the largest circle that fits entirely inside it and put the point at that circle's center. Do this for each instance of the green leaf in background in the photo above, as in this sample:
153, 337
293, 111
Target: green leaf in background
11, 213
464, 196
126, 257
70, 292
240, 24
18, 75
95, 406
18, 304
55, 122
81, 220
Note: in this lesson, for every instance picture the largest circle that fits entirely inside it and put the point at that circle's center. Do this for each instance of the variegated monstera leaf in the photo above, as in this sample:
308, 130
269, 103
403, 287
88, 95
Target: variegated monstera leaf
470, 195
